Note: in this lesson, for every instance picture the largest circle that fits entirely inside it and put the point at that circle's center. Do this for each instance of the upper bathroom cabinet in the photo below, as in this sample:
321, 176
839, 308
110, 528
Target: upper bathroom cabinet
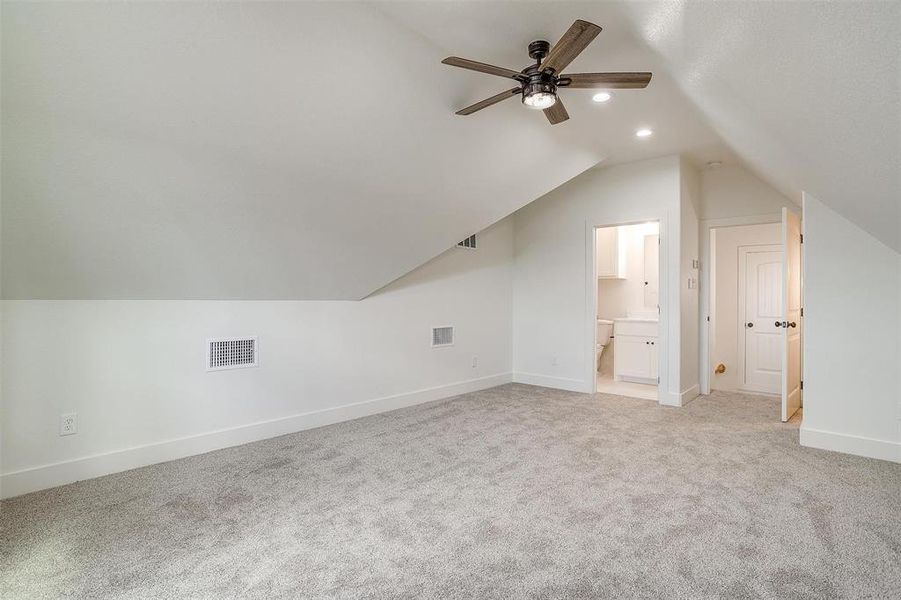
611, 254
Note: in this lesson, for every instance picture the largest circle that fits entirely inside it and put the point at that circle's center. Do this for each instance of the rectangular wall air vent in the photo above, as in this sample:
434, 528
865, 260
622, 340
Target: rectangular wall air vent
442, 336
469, 242
232, 353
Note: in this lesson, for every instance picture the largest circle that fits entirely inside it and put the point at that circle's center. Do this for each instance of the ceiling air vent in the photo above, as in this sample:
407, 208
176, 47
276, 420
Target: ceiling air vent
442, 336
469, 242
232, 353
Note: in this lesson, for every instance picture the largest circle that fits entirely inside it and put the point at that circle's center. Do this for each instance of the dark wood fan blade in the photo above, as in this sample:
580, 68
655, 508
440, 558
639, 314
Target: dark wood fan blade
576, 39
608, 80
557, 113
489, 101
480, 67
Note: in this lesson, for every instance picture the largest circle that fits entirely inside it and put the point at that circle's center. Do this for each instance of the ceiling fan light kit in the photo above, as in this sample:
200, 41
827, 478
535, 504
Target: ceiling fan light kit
539, 83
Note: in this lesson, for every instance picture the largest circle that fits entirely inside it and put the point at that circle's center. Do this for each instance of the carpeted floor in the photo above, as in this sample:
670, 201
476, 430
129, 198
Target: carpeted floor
513, 492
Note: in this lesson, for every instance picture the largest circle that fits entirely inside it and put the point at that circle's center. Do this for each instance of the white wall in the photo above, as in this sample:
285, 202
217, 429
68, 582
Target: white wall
852, 294
553, 309
134, 370
731, 191
724, 286
617, 296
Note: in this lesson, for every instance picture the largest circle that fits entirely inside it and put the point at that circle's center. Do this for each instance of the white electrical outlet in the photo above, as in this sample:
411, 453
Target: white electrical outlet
68, 424
475, 362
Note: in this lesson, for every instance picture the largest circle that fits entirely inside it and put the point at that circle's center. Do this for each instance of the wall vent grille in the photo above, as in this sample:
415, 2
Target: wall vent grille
442, 336
232, 353
469, 242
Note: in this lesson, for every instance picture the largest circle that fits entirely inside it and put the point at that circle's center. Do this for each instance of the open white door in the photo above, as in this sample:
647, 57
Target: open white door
791, 311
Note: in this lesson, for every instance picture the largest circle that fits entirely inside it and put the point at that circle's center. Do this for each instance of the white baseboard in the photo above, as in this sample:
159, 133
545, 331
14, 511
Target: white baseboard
689, 394
669, 398
559, 383
678, 399
70, 471
851, 444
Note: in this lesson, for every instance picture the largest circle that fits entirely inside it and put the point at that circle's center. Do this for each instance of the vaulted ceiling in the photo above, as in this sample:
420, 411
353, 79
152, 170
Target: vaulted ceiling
310, 150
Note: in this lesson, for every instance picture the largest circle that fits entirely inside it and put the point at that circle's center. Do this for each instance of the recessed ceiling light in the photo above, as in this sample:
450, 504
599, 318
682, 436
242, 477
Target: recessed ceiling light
602, 97
642, 133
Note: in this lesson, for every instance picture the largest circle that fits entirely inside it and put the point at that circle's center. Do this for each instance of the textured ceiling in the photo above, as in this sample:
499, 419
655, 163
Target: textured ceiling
808, 94
310, 151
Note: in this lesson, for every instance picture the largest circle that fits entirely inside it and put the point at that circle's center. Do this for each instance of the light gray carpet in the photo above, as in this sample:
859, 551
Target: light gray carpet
514, 492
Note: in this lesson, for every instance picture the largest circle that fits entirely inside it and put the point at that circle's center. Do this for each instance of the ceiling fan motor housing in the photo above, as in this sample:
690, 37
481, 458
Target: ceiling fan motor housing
538, 82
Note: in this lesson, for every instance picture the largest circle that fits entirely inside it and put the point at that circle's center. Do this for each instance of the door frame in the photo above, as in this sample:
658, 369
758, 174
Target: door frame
706, 285
664, 394
743, 252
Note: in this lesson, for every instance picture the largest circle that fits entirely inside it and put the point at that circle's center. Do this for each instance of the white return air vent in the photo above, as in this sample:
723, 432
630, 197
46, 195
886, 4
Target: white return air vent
469, 242
232, 353
442, 336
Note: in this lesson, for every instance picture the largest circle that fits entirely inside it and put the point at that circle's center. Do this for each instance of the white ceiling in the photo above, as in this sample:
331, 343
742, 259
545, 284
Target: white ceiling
310, 151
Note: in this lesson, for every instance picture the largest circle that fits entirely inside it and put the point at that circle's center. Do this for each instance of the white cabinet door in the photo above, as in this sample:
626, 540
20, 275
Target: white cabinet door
610, 259
632, 356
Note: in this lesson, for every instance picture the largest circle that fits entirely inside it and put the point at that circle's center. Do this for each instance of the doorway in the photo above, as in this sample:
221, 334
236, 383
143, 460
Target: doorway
626, 323
752, 294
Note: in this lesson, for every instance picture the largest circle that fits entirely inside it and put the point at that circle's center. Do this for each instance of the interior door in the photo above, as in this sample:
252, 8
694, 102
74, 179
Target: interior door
762, 309
791, 309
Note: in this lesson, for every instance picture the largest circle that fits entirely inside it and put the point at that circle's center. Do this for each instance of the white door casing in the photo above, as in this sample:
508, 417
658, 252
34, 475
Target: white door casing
651, 271
791, 322
760, 307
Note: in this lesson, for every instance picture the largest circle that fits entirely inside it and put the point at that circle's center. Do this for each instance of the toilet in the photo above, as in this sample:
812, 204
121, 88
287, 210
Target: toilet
605, 331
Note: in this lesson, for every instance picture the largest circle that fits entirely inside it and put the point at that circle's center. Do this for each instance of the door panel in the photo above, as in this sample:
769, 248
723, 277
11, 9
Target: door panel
791, 306
762, 340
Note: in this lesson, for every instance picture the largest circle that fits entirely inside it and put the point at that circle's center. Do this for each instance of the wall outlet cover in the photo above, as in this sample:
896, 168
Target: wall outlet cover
68, 424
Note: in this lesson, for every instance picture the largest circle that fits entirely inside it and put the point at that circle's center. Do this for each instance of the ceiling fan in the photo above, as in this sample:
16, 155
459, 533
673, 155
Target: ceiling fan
539, 83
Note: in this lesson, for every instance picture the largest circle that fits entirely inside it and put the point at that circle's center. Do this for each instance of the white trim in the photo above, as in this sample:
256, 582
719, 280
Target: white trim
851, 444
61, 473
559, 383
681, 399
690, 394
664, 338
705, 288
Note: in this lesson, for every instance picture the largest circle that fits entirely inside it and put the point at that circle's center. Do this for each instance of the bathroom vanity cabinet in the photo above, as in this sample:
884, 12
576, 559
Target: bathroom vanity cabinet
635, 350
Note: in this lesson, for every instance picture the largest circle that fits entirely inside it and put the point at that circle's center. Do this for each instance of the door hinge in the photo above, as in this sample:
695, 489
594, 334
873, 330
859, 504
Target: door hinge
802, 384
708, 318
802, 311
802, 238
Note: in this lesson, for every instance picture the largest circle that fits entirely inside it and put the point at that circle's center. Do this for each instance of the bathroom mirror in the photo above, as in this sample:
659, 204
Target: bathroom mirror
651, 271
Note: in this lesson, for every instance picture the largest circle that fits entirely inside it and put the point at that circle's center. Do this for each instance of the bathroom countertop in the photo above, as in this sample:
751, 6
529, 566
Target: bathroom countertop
637, 320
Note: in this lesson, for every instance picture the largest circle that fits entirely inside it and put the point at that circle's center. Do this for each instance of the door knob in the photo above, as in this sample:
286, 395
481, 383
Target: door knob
792, 324
780, 324
750, 324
